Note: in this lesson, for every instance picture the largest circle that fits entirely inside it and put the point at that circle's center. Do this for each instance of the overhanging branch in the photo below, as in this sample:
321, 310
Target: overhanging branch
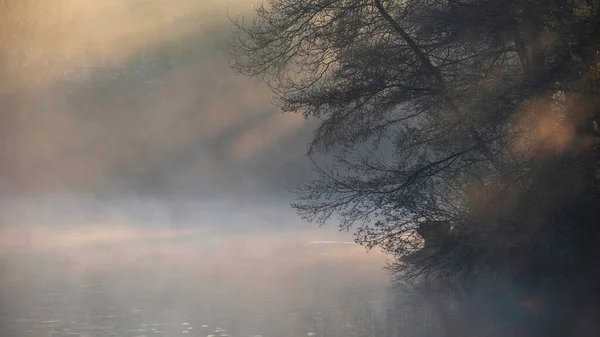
441, 85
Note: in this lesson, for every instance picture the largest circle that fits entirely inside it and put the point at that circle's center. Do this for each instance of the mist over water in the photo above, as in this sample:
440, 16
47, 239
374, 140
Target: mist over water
127, 278
145, 187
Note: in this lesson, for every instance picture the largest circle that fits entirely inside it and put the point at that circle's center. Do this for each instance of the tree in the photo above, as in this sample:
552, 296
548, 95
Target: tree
428, 107
465, 135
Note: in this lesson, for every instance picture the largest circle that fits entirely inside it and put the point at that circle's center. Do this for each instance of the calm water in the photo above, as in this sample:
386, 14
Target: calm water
124, 281
139, 99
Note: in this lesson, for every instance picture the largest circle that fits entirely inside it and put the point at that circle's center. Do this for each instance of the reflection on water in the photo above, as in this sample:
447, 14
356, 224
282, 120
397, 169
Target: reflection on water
171, 283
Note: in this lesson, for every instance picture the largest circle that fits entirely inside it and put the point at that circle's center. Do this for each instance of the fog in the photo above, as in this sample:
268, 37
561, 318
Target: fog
129, 279
130, 99
145, 186
150, 183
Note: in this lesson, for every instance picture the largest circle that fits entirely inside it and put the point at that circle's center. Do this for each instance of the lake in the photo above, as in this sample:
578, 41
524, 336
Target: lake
128, 281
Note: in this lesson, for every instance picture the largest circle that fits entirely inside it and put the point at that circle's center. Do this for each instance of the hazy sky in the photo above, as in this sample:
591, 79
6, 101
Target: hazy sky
206, 144
177, 194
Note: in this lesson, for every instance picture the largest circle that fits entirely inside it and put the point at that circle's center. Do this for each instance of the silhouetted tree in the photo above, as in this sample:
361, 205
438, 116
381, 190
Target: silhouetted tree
427, 106
465, 134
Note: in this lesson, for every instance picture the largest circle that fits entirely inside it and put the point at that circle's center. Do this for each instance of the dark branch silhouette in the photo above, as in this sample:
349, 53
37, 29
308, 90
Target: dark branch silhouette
464, 133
